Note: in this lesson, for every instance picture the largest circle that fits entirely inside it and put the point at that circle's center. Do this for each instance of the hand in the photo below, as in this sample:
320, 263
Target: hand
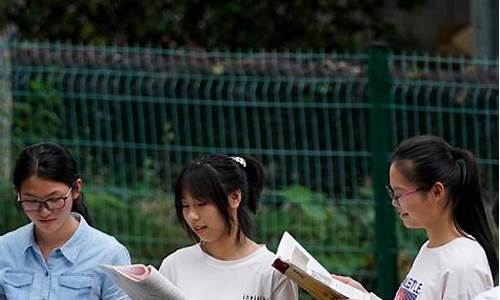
350, 281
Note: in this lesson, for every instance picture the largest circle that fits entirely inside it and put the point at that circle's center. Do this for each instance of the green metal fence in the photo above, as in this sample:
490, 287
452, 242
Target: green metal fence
322, 123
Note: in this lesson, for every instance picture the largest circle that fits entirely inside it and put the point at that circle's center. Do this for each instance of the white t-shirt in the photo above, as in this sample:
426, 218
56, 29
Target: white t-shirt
201, 276
491, 294
457, 270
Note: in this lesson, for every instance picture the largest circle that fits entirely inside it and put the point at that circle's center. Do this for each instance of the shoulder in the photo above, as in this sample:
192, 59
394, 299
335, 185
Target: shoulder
459, 252
97, 245
262, 261
464, 253
19, 231
98, 236
13, 246
281, 285
183, 254
95, 236
18, 237
463, 261
263, 256
181, 259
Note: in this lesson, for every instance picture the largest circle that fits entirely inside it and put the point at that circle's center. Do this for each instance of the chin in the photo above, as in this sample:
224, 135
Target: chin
48, 229
408, 224
412, 225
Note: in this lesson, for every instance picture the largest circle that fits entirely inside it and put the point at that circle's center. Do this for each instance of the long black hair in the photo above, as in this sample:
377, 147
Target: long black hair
425, 160
214, 177
50, 161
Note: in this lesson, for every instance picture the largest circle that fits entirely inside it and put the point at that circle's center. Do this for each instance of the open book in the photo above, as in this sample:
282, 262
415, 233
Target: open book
142, 282
298, 265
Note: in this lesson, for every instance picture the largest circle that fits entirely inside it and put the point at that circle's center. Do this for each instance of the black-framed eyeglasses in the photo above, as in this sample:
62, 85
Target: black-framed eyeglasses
394, 197
50, 204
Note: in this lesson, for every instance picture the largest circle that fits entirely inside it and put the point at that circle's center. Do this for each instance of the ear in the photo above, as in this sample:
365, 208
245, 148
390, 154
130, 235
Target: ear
234, 199
77, 188
438, 191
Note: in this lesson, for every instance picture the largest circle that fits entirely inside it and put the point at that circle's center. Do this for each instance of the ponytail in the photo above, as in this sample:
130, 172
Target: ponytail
80, 206
425, 160
255, 178
469, 211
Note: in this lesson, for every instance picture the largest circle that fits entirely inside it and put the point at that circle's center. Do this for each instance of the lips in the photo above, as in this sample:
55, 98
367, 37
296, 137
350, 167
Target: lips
46, 221
199, 229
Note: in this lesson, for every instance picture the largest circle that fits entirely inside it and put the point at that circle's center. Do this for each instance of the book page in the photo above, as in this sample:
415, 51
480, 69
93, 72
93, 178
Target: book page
143, 283
303, 268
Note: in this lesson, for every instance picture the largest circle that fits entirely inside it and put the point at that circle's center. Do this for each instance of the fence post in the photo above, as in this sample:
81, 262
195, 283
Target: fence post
6, 109
385, 234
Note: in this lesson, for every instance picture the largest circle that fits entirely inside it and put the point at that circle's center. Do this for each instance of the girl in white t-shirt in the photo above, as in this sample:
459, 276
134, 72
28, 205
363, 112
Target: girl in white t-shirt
436, 187
214, 197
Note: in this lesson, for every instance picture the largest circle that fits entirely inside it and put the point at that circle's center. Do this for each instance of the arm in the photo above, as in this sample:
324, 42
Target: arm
119, 256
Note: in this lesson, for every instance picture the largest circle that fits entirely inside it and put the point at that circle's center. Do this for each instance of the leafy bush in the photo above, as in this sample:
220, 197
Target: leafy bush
339, 234
266, 24
146, 224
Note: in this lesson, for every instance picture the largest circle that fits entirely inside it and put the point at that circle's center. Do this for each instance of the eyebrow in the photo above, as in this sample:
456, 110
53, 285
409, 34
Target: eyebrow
46, 196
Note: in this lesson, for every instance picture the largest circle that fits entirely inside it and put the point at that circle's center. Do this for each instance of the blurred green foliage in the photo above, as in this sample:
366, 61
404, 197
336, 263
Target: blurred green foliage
40, 106
339, 226
267, 24
145, 223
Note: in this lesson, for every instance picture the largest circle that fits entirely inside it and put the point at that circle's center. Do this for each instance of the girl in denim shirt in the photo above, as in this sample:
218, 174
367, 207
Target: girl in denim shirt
56, 255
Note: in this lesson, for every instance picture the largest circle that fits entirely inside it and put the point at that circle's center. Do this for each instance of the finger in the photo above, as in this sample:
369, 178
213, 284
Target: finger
344, 279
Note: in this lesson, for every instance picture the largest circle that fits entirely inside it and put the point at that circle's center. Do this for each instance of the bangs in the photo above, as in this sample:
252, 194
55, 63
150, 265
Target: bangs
201, 182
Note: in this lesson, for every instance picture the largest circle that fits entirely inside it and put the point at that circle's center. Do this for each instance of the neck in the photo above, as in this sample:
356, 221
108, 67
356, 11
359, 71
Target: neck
442, 231
49, 242
229, 247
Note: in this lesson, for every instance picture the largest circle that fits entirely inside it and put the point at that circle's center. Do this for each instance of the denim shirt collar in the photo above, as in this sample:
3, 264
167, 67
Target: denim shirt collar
71, 248
28, 237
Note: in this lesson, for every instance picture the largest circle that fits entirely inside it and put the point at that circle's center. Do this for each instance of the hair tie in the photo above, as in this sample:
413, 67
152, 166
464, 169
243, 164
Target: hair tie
239, 160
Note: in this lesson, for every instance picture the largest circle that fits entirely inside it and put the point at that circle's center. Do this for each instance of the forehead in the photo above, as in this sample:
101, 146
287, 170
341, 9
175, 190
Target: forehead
35, 185
396, 179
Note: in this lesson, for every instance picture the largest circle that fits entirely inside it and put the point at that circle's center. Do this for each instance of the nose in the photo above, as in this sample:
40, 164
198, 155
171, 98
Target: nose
191, 214
44, 209
395, 203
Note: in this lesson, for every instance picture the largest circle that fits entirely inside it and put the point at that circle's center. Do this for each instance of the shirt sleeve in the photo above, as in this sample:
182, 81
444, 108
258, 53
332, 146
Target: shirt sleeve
110, 290
285, 289
2, 266
2, 292
491, 294
465, 282
166, 268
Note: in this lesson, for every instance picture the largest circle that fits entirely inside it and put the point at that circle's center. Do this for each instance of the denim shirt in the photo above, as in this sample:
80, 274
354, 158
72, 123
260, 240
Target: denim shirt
70, 272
